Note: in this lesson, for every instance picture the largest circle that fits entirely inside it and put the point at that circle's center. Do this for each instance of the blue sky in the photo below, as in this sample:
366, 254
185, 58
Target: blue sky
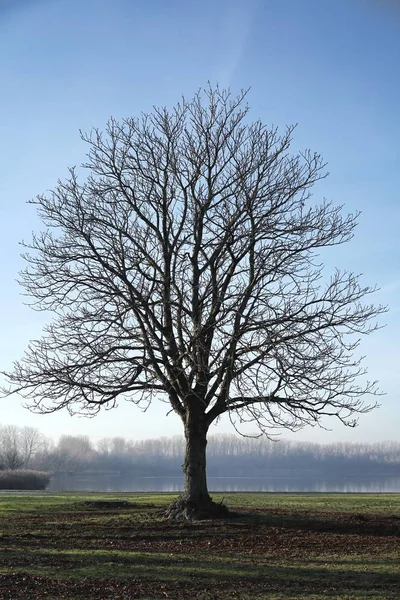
331, 66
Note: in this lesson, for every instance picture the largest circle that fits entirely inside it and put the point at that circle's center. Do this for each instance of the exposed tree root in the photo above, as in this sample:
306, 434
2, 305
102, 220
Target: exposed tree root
183, 509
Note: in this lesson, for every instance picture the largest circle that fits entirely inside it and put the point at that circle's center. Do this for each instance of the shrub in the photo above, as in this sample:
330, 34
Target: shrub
23, 479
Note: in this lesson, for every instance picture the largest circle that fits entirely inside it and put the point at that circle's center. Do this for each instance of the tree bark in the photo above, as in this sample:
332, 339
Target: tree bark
194, 466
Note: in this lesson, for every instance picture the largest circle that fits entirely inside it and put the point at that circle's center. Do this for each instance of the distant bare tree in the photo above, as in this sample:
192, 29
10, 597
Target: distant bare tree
185, 267
18, 445
73, 452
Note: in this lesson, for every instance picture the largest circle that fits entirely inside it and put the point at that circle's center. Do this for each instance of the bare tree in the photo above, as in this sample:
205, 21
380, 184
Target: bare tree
74, 452
18, 445
185, 267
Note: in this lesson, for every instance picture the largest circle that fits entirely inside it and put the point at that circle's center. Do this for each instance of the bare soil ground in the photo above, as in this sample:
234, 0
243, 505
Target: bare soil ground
85, 550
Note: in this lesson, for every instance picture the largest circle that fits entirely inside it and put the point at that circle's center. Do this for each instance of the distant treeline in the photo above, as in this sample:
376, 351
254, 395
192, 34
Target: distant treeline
228, 455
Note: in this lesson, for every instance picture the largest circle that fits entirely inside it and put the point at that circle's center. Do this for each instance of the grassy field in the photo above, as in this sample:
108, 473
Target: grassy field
279, 546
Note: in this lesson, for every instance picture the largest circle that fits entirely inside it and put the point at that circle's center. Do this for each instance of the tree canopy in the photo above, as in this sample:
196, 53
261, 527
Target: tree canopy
181, 262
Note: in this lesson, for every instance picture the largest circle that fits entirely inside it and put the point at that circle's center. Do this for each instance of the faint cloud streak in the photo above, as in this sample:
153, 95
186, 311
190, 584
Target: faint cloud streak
235, 31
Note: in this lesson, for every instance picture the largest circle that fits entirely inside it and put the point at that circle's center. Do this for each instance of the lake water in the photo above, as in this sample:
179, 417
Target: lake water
120, 483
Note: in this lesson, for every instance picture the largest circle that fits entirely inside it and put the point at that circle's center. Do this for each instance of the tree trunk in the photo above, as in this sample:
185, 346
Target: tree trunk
195, 502
194, 466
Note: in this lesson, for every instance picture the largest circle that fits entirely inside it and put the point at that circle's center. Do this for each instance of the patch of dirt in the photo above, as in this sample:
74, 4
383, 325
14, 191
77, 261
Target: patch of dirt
24, 586
29, 544
112, 504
